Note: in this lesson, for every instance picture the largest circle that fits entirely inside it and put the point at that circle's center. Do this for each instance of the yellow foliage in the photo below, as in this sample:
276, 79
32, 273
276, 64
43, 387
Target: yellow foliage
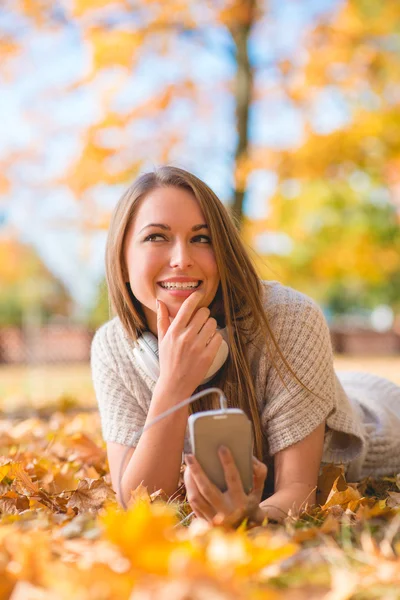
81, 7
238, 555
144, 534
37, 10
236, 12
19, 263
113, 48
77, 543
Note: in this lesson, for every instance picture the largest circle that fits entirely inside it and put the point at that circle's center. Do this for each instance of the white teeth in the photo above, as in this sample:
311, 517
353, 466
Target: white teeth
180, 286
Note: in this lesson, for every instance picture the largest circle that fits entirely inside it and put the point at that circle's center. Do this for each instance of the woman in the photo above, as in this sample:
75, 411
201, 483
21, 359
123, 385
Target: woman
176, 268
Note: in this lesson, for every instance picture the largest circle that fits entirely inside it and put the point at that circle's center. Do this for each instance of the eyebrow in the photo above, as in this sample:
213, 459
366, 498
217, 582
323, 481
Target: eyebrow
168, 228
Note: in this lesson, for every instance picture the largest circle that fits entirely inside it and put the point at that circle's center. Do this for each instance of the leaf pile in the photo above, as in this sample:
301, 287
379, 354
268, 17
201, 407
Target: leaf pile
63, 536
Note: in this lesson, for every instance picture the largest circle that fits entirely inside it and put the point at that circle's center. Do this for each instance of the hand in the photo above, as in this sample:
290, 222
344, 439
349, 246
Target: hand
187, 346
207, 501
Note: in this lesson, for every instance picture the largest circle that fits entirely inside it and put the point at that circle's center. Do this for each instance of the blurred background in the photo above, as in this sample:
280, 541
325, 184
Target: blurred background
288, 109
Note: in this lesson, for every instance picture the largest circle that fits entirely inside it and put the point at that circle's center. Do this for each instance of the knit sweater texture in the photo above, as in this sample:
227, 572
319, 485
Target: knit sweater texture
361, 411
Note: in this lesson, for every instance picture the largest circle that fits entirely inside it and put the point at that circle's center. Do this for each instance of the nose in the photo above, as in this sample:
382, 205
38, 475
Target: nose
181, 255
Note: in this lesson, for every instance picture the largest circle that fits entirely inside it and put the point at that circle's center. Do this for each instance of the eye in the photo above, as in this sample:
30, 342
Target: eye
150, 238
203, 239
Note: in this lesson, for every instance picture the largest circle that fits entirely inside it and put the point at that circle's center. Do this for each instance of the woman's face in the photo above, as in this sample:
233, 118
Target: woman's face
168, 251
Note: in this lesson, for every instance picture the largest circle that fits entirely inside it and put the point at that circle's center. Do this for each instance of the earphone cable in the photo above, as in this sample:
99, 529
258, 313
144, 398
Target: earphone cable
163, 415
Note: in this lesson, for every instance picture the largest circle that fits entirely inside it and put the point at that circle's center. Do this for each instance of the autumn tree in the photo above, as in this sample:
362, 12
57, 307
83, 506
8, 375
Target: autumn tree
335, 191
120, 39
337, 194
27, 285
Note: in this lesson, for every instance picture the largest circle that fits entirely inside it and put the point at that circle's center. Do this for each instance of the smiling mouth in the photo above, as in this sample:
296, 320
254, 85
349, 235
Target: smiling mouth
179, 285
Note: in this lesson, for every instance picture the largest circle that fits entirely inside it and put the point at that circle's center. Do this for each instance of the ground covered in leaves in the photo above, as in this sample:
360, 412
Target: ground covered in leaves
62, 535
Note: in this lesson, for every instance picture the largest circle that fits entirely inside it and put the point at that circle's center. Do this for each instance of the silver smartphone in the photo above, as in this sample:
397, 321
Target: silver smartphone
211, 429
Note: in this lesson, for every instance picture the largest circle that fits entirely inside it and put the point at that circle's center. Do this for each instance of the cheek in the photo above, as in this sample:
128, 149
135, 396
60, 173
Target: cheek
143, 271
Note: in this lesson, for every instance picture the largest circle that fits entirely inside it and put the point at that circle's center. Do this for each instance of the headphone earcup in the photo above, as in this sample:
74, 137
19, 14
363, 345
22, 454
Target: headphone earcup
146, 354
218, 361
151, 341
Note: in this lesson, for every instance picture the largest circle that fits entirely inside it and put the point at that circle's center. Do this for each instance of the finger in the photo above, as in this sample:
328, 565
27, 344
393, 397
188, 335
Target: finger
163, 321
214, 343
207, 489
198, 503
232, 478
187, 309
199, 319
260, 471
207, 332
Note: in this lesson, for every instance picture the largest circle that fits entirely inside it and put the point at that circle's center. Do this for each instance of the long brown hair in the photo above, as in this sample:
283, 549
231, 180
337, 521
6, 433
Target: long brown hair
238, 301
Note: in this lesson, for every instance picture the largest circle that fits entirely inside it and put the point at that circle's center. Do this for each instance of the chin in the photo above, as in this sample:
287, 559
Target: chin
173, 310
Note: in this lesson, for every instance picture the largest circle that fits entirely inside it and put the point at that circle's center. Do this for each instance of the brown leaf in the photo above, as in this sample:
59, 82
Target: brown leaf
394, 500
12, 503
90, 495
56, 504
329, 474
340, 496
22, 477
85, 449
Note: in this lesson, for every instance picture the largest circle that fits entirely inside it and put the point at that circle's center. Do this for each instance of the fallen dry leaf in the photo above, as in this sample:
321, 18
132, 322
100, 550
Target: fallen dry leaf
341, 494
12, 503
63, 536
90, 495
394, 500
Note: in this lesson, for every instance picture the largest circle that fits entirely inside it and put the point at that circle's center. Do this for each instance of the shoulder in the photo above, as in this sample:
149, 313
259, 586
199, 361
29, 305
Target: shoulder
285, 304
109, 340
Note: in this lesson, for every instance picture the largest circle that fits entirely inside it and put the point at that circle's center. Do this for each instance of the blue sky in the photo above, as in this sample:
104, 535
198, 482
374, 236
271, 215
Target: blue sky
36, 112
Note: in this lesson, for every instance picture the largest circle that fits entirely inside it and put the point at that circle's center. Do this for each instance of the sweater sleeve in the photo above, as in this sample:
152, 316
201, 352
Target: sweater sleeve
120, 413
291, 412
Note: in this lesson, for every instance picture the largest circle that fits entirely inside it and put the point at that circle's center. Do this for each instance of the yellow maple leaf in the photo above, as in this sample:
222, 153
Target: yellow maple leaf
145, 534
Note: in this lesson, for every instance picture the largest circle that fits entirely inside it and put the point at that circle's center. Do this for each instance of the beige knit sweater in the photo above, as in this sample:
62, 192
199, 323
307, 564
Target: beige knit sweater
362, 411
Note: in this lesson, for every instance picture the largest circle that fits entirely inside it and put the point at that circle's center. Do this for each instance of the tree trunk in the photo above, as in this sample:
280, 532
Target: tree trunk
240, 31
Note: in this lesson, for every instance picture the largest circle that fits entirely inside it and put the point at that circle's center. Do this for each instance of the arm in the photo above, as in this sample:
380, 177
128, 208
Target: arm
156, 460
296, 475
293, 416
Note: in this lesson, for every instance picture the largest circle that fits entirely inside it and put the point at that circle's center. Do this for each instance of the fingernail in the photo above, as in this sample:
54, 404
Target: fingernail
189, 459
224, 450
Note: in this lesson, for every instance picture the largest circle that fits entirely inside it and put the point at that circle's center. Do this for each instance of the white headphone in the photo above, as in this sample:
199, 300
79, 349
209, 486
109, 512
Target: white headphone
145, 352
